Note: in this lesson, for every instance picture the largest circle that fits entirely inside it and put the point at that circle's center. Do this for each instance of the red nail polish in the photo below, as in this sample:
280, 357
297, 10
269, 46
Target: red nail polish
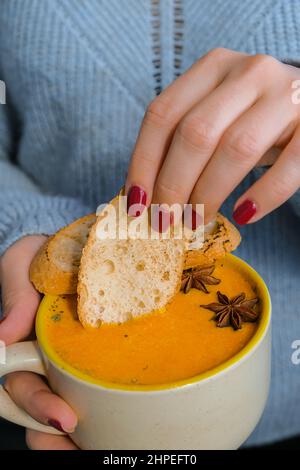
161, 219
196, 219
136, 201
55, 424
192, 219
244, 212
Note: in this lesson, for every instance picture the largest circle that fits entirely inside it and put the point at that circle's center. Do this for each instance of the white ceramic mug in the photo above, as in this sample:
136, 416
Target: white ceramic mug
216, 410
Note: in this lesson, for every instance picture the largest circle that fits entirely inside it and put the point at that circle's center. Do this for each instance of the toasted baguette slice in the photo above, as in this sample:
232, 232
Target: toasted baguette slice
54, 269
224, 239
124, 278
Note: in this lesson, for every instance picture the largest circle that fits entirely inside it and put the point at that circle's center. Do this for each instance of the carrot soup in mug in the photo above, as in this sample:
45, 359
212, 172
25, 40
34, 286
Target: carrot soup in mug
182, 377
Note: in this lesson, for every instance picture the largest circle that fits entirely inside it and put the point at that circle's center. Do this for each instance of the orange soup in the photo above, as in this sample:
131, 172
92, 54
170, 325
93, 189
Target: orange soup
174, 343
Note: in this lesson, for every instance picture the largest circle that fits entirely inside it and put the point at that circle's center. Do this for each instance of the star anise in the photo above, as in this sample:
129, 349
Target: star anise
232, 312
198, 278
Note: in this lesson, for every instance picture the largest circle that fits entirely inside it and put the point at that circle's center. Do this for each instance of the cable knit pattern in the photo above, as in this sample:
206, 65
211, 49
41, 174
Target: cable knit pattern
79, 76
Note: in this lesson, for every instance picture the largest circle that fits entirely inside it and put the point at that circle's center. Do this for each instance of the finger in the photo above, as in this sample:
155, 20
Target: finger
197, 137
270, 157
166, 111
41, 441
241, 147
275, 187
32, 394
19, 298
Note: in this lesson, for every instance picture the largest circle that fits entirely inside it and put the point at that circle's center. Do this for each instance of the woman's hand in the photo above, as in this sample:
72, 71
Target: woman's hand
205, 132
20, 302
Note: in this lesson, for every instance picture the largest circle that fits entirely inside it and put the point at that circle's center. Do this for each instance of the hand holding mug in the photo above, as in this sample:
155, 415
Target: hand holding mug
28, 390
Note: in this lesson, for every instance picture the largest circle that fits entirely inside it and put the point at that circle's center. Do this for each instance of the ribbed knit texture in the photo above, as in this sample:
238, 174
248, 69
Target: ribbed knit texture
79, 76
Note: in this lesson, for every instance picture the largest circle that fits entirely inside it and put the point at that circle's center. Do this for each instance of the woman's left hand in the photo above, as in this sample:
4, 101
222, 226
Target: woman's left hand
205, 132
29, 391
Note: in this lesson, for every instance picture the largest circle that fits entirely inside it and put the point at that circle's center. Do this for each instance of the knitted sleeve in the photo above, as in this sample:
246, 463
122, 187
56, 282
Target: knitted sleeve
24, 209
295, 202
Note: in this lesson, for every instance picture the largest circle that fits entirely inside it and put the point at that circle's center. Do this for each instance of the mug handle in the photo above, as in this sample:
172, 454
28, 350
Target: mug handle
24, 356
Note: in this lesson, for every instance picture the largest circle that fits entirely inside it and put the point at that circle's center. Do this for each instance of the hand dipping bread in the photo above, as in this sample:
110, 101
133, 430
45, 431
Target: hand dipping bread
121, 279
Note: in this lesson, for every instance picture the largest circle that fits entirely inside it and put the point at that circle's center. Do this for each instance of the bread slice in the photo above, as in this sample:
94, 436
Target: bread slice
54, 269
124, 278
224, 239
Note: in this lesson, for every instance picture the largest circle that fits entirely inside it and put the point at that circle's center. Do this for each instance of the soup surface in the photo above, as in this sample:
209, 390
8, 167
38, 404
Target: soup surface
174, 343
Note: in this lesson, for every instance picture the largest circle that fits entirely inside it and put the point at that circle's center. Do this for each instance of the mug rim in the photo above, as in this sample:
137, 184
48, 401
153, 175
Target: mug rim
210, 374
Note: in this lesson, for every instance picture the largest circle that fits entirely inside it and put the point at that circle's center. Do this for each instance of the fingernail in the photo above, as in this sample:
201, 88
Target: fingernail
244, 212
56, 424
136, 201
161, 219
196, 220
192, 219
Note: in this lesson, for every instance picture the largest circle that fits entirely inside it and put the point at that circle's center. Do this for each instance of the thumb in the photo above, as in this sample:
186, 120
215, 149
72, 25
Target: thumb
19, 298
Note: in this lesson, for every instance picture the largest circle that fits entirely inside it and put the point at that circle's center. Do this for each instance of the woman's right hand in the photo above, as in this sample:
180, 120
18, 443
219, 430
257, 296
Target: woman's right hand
29, 391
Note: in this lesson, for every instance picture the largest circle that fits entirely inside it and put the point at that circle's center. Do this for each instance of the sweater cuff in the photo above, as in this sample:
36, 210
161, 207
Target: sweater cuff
35, 214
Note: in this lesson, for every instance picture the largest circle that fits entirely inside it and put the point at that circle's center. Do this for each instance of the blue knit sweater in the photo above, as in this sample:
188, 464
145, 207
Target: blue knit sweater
79, 75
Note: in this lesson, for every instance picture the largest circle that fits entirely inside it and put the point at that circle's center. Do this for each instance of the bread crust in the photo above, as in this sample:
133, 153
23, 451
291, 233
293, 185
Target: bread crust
48, 278
45, 274
223, 240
